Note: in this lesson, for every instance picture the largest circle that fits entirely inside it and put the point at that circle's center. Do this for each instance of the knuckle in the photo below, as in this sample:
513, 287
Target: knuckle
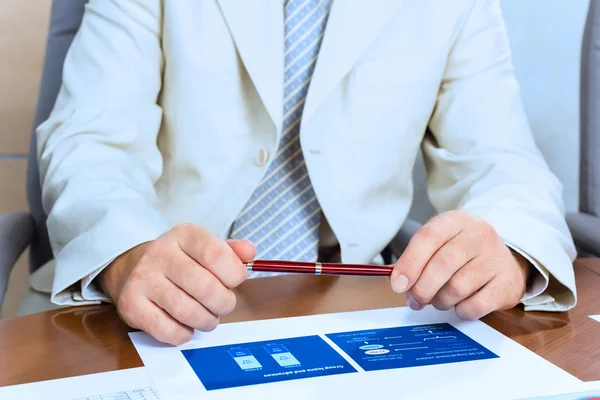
456, 214
479, 307
420, 294
425, 233
185, 315
191, 233
173, 299
228, 303
452, 216
188, 272
232, 302
208, 323
238, 276
185, 229
463, 313
176, 334
206, 289
153, 325
410, 259
486, 231
449, 259
441, 303
213, 254
459, 288
150, 322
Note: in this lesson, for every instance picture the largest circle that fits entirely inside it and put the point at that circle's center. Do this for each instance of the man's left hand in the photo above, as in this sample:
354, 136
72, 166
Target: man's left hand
456, 260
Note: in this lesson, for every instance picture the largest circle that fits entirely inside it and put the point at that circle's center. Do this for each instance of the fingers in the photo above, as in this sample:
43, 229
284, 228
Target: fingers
464, 283
422, 246
182, 307
213, 253
140, 313
179, 282
203, 286
490, 298
245, 249
453, 255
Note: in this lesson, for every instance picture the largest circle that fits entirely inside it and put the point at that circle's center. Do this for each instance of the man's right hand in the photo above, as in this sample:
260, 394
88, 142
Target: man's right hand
180, 282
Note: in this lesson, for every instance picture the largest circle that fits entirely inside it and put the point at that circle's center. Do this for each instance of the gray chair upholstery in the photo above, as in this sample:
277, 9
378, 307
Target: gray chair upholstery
20, 230
16, 231
585, 224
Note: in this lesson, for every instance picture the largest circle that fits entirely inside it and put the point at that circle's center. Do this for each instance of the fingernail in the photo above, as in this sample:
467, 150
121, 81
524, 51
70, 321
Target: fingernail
412, 303
239, 241
399, 283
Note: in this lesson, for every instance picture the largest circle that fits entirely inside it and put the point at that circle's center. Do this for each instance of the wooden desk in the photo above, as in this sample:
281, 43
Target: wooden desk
84, 340
590, 263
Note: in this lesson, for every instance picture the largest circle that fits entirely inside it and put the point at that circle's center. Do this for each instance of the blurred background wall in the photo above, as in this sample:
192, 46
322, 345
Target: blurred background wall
23, 25
545, 36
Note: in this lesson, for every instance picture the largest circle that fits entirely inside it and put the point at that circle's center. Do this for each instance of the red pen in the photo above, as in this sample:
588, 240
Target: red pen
318, 268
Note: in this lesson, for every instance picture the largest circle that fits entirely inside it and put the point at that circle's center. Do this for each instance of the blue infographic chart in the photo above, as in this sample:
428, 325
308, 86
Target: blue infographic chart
263, 362
409, 346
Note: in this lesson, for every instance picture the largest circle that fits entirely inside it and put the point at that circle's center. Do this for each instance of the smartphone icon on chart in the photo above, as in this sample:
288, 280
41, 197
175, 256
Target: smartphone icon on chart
282, 356
245, 359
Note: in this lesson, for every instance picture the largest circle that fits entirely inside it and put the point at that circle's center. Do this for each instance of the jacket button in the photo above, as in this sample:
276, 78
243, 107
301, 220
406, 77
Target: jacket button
262, 157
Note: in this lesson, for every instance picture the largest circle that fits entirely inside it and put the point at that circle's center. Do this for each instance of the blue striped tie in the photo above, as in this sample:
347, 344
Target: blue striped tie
282, 216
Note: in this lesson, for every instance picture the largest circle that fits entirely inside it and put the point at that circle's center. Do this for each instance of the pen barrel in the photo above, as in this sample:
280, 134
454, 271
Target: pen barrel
283, 266
318, 268
356, 269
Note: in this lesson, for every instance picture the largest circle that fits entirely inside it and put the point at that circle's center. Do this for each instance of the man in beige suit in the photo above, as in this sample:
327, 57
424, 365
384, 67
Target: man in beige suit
192, 136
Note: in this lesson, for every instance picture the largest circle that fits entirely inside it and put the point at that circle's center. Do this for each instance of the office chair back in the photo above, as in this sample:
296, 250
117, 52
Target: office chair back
589, 173
65, 19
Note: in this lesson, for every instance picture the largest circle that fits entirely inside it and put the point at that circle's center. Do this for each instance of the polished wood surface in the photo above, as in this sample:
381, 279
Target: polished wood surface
590, 263
84, 340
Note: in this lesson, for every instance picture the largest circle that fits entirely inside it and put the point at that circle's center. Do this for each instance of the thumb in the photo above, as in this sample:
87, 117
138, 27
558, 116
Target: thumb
244, 248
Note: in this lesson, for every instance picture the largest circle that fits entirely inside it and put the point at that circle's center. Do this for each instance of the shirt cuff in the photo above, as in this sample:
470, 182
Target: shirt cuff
538, 284
85, 292
90, 291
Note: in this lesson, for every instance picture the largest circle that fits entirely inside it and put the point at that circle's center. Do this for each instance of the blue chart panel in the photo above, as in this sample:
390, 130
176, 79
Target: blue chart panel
409, 346
262, 362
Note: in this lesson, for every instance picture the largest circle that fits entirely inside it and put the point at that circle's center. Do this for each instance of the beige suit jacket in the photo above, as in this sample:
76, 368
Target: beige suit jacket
168, 108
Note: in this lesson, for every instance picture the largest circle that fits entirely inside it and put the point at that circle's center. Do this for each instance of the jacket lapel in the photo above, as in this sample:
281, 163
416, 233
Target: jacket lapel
351, 27
257, 30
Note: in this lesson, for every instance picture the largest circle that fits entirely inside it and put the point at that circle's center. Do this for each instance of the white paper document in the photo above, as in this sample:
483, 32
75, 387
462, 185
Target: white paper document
126, 384
596, 317
388, 353
581, 391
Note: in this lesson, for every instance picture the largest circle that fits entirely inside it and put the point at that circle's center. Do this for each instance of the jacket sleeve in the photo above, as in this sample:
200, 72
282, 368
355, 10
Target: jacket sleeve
481, 157
97, 152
